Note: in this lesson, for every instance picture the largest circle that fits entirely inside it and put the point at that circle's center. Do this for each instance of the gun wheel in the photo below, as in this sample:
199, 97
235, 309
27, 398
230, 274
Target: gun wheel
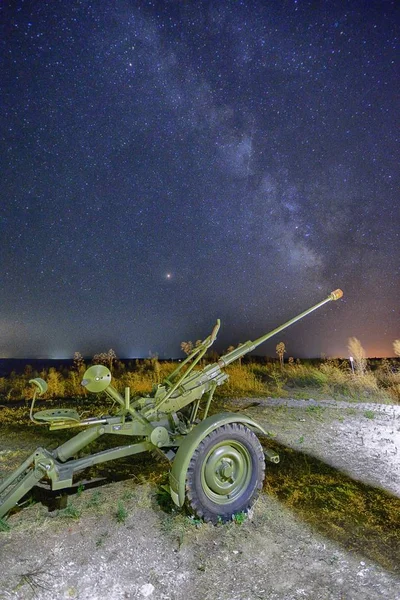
225, 474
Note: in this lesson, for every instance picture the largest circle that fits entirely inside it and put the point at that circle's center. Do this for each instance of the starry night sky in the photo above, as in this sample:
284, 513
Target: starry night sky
167, 163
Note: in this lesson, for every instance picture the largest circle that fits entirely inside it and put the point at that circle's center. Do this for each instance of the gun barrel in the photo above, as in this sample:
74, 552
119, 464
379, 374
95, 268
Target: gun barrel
249, 346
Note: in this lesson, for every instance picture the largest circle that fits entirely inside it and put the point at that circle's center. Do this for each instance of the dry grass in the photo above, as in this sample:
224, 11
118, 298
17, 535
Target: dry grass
242, 382
330, 377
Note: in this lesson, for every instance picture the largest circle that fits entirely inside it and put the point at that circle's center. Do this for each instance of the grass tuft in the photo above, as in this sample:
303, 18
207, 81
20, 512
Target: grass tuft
70, 512
122, 513
4, 526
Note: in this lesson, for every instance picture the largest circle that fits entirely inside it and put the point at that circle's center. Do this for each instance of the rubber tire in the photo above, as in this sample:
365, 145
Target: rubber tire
197, 499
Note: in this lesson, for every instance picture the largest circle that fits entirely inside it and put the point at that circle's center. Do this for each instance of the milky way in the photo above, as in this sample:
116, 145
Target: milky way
167, 163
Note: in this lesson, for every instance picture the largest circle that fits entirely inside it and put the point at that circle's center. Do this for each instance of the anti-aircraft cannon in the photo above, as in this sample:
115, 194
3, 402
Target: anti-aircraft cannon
218, 463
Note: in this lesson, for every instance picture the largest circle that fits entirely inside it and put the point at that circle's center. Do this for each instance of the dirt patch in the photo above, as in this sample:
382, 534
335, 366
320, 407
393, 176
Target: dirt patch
116, 541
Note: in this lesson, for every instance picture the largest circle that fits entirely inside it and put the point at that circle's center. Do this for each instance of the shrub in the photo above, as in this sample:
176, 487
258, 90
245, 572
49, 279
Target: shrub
304, 376
56, 384
241, 381
357, 352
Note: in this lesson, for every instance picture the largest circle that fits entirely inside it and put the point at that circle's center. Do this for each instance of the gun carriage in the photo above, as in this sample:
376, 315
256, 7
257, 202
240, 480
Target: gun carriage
217, 462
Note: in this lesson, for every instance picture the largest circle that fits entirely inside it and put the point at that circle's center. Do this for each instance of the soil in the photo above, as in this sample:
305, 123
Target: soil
122, 540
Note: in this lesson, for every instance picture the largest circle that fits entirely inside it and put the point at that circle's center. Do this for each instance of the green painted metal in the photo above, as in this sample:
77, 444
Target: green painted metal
173, 419
271, 456
226, 471
78, 442
40, 385
177, 478
97, 379
57, 415
40, 388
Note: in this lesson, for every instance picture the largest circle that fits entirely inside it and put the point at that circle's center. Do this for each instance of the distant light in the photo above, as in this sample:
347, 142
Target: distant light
135, 354
169, 275
60, 355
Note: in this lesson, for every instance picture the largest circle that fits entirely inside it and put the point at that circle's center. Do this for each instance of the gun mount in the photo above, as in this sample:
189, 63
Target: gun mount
218, 463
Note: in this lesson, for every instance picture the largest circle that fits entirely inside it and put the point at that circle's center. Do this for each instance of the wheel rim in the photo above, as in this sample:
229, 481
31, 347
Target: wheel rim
226, 472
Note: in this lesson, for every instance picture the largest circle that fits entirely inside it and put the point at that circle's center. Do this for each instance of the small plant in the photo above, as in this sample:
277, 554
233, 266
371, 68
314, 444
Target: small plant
369, 414
122, 513
239, 518
195, 521
70, 512
95, 500
4, 526
80, 489
128, 495
316, 411
278, 380
101, 539
164, 499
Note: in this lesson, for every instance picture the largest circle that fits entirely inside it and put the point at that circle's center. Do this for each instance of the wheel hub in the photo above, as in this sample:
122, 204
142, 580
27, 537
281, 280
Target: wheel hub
226, 471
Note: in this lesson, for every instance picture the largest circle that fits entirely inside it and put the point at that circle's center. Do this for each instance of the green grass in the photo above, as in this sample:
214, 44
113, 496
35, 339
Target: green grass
239, 518
70, 512
362, 518
95, 500
4, 525
121, 513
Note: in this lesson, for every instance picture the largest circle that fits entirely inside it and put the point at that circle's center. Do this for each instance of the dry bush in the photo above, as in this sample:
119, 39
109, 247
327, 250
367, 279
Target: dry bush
394, 393
73, 384
138, 381
56, 384
79, 362
3, 385
396, 347
389, 380
337, 380
166, 368
357, 352
105, 358
14, 387
187, 347
280, 350
242, 381
341, 381
147, 373
304, 376
367, 384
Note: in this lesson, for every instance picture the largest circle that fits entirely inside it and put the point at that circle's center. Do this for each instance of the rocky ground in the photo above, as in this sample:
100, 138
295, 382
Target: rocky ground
362, 440
117, 542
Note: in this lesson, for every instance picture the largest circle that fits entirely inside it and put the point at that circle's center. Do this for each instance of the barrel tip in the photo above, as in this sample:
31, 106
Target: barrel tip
336, 294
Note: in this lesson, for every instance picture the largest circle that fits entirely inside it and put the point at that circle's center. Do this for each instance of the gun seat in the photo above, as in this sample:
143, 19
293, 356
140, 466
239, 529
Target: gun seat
58, 415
